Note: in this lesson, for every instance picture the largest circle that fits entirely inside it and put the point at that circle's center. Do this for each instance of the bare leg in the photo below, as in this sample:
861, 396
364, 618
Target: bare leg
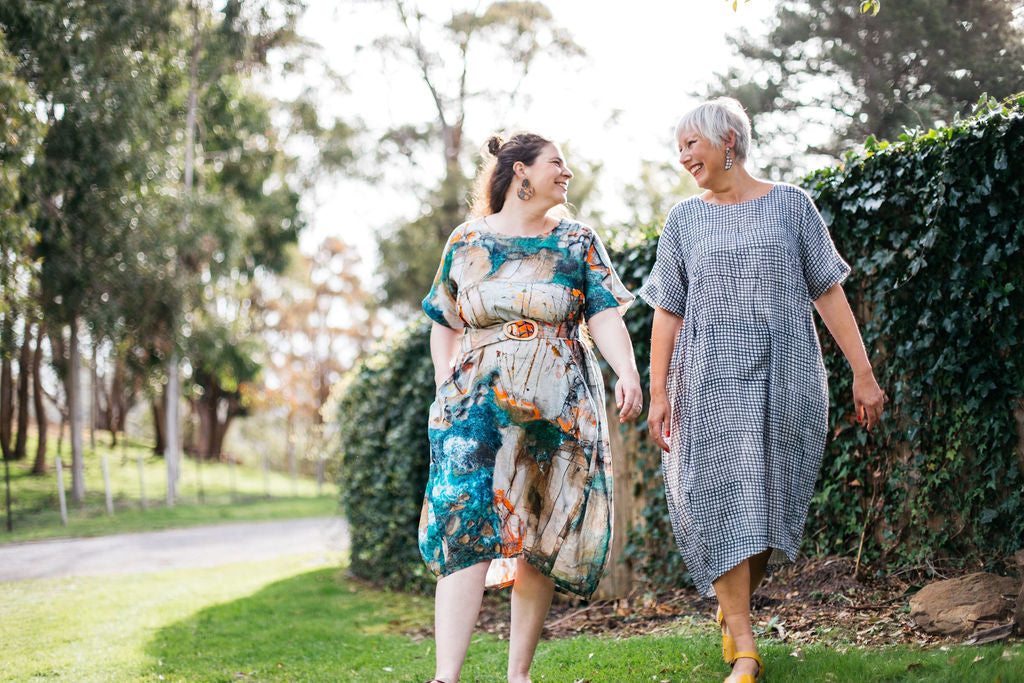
733, 590
531, 599
758, 568
456, 607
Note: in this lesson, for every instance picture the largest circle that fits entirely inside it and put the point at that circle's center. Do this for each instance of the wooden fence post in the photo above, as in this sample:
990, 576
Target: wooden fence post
106, 484
618, 580
61, 496
142, 483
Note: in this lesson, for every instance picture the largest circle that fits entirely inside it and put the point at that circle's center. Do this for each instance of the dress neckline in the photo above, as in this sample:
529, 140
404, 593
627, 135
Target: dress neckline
491, 231
747, 201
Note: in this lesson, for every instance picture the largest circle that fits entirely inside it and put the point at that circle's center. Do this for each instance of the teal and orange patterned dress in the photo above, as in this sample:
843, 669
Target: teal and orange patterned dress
519, 459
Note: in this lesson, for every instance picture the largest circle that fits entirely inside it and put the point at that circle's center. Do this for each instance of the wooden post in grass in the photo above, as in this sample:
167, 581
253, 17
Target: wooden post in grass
266, 475
320, 464
7, 478
295, 475
142, 483
231, 475
106, 484
199, 478
60, 493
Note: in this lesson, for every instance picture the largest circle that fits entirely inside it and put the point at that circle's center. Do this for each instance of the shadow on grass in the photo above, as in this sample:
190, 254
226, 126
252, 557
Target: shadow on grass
315, 626
318, 626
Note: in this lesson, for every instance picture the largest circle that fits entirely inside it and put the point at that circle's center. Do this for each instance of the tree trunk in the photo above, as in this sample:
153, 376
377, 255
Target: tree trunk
173, 423
117, 403
172, 428
6, 386
221, 427
74, 391
24, 375
93, 399
159, 425
39, 467
206, 410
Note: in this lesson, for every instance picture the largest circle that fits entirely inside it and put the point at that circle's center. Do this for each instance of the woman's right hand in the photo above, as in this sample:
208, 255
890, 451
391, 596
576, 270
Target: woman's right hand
659, 420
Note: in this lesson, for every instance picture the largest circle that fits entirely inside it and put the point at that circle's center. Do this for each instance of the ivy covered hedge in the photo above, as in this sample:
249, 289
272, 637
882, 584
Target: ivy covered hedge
934, 230
382, 473
933, 227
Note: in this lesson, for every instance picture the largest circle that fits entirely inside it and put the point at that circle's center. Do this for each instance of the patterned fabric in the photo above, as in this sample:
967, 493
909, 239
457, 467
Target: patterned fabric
746, 382
519, 457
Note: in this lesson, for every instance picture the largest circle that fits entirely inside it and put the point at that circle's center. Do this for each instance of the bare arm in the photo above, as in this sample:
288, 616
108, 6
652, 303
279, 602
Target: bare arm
868, 397
612, 338
664, 331
444, 344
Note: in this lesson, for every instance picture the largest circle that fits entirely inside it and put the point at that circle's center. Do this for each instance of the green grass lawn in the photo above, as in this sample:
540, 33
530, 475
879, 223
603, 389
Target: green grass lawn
208, 493
299, 619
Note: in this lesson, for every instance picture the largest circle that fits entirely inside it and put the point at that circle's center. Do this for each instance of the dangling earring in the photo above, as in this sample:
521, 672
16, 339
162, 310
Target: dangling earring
728, 158
525, 191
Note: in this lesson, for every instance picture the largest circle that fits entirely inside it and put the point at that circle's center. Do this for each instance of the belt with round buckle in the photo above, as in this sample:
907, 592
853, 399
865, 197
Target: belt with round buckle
522, 330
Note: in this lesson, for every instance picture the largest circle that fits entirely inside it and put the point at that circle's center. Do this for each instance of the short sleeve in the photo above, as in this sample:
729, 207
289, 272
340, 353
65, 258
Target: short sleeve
823, 267
667, 285
441, 303
604, 289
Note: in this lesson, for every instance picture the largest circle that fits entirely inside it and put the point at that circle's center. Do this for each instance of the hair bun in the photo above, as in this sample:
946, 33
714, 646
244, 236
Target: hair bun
494, 144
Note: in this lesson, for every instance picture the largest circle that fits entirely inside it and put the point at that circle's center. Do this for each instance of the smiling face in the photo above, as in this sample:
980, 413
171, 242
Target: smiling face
548, 175
700, 157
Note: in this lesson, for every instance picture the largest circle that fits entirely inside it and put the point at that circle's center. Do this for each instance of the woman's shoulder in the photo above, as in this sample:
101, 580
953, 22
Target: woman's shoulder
685, 206
790, 193
683, 210
464, 232
576, 230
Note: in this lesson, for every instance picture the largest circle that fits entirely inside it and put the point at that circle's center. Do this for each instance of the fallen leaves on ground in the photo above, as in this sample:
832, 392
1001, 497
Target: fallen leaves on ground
816, 600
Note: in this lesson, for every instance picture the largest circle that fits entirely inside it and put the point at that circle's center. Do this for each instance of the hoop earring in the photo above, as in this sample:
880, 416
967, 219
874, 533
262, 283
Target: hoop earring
525, 191
728, 158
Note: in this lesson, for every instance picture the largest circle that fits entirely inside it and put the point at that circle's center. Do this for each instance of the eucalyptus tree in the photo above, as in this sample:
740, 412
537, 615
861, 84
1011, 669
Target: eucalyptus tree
470, 55
827, 74
95, 74
245, 215
221, 44
19, 132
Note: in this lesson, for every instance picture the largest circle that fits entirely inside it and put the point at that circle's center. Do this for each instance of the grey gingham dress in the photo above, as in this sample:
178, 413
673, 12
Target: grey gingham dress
746, 383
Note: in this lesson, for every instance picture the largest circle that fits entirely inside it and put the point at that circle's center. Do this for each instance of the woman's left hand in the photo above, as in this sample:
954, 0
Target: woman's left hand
629, 398
868, 399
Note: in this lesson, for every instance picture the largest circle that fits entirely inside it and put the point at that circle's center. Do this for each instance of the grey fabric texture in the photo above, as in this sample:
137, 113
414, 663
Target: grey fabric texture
746, 383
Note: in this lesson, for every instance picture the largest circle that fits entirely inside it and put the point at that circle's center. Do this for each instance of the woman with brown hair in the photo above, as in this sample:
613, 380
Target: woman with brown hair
519, 491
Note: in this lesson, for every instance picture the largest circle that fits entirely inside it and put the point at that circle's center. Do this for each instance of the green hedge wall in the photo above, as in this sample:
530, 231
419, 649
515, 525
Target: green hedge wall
384, 458
933, 227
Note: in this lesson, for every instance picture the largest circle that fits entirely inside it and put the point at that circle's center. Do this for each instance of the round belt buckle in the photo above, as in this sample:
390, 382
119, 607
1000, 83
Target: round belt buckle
521, 330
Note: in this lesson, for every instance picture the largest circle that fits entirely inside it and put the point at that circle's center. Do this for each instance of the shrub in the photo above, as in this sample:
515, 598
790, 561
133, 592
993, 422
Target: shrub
384, 459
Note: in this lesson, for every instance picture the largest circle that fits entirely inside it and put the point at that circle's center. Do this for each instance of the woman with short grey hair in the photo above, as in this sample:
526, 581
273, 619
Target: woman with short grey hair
739, 394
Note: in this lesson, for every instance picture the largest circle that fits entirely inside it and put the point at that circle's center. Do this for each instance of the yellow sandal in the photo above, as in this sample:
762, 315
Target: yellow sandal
747, 678
728, 644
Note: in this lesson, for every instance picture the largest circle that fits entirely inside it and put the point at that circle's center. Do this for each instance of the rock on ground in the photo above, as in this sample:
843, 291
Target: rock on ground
963, 605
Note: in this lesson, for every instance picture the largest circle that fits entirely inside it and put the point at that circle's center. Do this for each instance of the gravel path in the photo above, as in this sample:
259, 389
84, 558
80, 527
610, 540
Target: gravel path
207, 546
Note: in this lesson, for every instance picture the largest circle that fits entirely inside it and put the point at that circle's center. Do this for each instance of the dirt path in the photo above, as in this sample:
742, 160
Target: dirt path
207, 546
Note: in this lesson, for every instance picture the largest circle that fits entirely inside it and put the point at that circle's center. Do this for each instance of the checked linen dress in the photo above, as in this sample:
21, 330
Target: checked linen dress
746, 383
520, 464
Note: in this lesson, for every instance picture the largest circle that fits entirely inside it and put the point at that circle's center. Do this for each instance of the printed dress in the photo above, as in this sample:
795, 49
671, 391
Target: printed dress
519, 457
746, 382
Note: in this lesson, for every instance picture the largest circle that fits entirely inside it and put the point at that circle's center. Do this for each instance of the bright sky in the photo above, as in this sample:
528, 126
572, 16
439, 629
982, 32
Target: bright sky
618, 105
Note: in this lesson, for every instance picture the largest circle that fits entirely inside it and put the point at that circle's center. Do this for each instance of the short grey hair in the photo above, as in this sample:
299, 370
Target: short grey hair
715, 118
